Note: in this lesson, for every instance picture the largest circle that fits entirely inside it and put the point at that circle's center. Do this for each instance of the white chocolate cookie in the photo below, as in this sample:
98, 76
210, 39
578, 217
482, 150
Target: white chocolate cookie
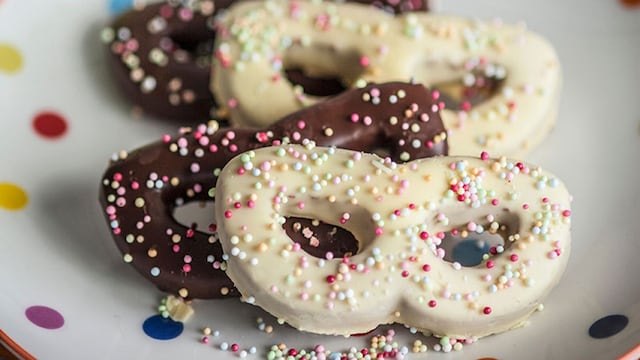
400, 215
259, 40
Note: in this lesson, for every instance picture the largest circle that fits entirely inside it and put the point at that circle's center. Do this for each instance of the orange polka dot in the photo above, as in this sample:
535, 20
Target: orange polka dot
10, 59
12, 197
630, 3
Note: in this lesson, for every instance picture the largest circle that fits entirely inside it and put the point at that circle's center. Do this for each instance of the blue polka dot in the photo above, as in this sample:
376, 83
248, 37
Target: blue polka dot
161, 328
119, 6
608, 326
470, 251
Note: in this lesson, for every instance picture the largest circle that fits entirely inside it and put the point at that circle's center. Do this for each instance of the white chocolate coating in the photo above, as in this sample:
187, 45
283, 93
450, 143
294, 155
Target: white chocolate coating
357, 43
398, 213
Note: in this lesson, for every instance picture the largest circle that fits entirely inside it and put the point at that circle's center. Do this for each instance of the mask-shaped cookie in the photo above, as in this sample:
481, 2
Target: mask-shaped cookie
400, 214
141, 189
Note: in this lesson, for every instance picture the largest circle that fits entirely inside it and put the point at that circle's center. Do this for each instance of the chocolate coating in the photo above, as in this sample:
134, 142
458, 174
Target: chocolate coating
140, 191
160, 57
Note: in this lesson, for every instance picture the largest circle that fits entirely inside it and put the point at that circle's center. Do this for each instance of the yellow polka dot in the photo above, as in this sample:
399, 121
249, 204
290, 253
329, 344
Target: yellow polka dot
10, 59
12, 197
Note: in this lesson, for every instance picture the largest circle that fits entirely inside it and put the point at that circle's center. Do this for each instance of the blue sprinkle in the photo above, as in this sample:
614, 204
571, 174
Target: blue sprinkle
160, 328
469, 252
117, 7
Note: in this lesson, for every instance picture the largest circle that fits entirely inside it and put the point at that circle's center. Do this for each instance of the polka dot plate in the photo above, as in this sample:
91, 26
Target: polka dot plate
67, 294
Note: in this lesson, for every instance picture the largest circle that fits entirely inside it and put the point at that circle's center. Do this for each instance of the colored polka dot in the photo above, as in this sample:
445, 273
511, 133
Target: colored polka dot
12, 197
10, 59
160, 328
119, 6
608, 326
45, 317
469, 252
49, 124
630, 3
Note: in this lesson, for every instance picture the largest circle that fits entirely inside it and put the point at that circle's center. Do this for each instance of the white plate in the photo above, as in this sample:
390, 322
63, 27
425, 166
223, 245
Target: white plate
57, 251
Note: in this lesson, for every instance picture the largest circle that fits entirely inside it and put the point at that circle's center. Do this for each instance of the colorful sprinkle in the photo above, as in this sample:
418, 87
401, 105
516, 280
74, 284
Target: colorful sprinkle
44, 317
12, 197
10, 59
49, 124
161, 328
608, 326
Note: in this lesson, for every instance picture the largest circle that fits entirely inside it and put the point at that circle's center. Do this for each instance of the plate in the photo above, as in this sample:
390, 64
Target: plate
66, 293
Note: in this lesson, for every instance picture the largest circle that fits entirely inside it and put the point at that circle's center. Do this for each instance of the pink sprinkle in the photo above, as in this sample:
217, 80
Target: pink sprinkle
117, 176
251, 204
525, 206
166, 11
486, 310
426, 267
364, 61
228, 214
432, 303
378, 231
405, 274
495, 202
241, 171
301, 205
301, 124
205, 340
175, 248
375, 92
424, 235
232, 103
490, 264
566, 213
135, 185
484, 155
513, 257
435, 94
213, 148
186, 268
185, 14
235, 347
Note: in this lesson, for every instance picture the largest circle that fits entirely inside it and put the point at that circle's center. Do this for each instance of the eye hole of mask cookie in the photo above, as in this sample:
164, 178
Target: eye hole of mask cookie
319, 238
196, 215
315, 86
325, 74
313, 223
476, 241
192, 45
477, 82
